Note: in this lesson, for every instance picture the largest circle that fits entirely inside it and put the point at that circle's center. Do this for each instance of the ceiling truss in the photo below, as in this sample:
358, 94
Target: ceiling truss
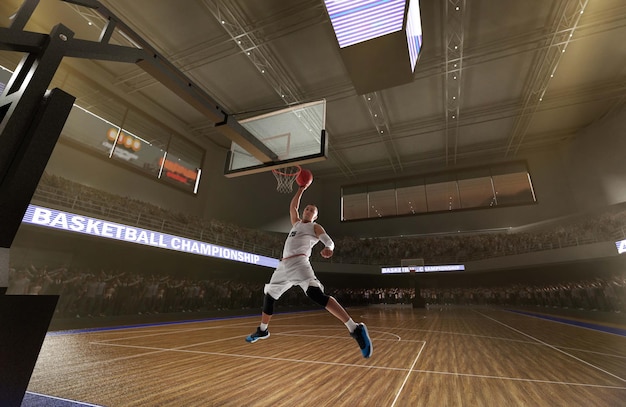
547, 63
454, 28
378, 114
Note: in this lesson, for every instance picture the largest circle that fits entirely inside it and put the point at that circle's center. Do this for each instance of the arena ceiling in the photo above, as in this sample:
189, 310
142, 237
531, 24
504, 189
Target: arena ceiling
525, 75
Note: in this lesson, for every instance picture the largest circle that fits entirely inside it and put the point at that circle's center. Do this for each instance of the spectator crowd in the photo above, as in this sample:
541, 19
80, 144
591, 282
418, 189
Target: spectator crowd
87, 293
64, 194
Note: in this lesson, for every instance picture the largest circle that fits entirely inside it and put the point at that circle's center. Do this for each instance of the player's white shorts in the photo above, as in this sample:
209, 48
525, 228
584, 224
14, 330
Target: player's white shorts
292, 271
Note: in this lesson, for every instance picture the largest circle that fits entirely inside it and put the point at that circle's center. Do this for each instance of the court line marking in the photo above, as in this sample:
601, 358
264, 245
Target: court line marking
594, 352
463, 334
277, 324
296, 333
172, 331
105, 343
571, 322
406, 378
341, 337
516, 341
238, 337
504, 339
121, 329
520, 379
239, 355
278, 318
168, 332
161, 332
162, 350
554, 348
182, 349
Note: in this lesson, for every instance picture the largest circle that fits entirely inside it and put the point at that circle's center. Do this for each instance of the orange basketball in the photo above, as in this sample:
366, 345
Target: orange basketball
304, 178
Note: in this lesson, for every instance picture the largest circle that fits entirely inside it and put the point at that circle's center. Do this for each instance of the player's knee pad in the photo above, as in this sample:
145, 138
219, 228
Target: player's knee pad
317, 295
268, 304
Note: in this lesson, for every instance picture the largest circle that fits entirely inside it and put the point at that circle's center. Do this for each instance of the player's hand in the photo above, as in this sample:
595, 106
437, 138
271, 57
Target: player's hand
326, 253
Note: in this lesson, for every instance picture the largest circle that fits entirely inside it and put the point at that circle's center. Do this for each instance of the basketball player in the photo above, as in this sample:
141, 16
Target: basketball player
295, 269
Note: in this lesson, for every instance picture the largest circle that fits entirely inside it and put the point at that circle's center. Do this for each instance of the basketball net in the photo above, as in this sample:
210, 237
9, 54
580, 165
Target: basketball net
285, 177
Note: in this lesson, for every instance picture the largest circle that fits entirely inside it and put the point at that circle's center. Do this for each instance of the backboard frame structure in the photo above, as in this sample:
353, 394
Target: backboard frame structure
415, 266
296, 135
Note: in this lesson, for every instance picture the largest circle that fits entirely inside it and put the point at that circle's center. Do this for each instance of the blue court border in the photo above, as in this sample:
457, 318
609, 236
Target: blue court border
162, 323
588, 325
41, 400
144, 325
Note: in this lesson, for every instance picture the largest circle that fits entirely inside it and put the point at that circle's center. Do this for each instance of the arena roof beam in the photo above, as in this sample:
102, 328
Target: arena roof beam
378, 114
546, 63
454, 28
171, 77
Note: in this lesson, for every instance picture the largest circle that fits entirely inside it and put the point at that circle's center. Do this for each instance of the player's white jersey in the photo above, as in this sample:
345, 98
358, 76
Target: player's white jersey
300, 240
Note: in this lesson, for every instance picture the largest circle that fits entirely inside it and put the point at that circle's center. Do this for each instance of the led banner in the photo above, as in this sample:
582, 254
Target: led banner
111, 141
51, 218
177, 170
621, 246
356, 21
114, 142
422, 269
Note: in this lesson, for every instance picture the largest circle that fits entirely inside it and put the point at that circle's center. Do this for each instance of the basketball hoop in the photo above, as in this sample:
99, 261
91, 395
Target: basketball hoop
413, 265
285, 177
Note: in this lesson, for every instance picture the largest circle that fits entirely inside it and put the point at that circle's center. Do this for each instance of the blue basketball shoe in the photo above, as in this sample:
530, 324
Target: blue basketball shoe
253, 337
363, 339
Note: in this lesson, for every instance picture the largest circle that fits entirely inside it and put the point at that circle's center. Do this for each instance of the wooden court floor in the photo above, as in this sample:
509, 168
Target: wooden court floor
437, 357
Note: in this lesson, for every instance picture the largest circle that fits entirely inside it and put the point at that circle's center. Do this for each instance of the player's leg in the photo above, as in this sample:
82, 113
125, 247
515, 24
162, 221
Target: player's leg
337, 310
262, 331
273, 290
357, 331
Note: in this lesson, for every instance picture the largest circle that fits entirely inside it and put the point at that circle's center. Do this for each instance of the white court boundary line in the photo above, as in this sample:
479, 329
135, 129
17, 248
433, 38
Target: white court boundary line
553, 347
277, 323
156, 350
173, 330
408, 370
499, 338
239, 355
303, 333
406, 378
551, 318
594, 352
521, 379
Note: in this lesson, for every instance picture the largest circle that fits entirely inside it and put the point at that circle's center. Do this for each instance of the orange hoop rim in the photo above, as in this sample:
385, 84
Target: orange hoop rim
284, 174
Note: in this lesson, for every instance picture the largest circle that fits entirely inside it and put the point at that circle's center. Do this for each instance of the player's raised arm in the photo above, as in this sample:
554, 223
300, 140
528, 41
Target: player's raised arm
294, 206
